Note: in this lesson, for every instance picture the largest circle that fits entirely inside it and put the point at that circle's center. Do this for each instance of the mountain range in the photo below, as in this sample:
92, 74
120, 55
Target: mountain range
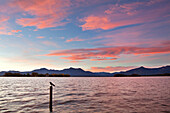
78, 72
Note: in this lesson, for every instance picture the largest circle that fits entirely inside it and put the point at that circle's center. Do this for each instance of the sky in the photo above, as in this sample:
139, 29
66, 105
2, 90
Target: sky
95, 35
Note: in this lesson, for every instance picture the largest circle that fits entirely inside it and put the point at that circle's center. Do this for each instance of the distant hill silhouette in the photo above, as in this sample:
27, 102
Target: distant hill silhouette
74, 72
71, 71
78, 72
147, 71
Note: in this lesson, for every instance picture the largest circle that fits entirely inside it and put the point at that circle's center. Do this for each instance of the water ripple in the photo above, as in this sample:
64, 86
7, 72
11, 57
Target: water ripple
85, 95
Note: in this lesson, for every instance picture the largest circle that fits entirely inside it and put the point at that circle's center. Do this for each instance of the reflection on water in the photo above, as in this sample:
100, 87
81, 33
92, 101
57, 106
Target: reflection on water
105, 95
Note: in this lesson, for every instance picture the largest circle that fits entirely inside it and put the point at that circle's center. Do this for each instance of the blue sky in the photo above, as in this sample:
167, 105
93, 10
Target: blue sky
109, 35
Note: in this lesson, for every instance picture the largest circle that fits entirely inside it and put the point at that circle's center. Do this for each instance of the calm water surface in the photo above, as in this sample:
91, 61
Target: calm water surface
86, 95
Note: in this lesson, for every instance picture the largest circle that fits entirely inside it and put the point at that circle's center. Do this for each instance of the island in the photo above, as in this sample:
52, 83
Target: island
78, 72
8, 74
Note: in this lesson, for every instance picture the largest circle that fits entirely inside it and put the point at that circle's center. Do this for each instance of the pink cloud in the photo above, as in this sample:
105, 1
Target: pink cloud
135, 36
46, 13
110, 68
3, 19
49, 43
40, 23
125, 14
5, 33
16, 31
74, 39
145, 35
95, 22
40, 37
1, 28
4, 25
102, 58
108, 52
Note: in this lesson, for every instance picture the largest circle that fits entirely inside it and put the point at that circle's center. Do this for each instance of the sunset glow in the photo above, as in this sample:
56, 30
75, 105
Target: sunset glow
95, 35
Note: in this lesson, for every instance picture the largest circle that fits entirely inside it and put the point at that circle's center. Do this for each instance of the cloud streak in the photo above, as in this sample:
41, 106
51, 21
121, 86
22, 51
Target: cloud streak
118, 15
96, 22
16, 31
108, 52
45, 14
40, 37
49, 43
3, 25
74, 39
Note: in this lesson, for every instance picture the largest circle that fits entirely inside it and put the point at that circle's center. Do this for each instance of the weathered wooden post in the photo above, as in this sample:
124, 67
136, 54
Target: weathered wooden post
51, 97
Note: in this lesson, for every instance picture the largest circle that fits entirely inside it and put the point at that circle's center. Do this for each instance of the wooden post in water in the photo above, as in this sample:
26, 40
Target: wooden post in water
51, 97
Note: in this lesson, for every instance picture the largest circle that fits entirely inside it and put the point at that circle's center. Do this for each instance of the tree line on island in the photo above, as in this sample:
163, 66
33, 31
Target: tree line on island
34, 74
78, 72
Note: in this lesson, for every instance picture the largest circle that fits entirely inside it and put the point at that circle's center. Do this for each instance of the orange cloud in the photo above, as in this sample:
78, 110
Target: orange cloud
40, 37
95, 22
40, 23
102, 58
46, 13
49, 43
5, 33
1, 28
110, 68
16, 31
108, 53
3, 19
3, 25
125, 14
74, 39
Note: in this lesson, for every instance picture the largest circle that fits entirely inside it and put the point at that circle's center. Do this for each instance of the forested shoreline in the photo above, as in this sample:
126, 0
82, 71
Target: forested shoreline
34, 75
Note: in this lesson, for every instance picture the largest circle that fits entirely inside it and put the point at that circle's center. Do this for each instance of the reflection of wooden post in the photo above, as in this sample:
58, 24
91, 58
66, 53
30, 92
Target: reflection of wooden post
51, 97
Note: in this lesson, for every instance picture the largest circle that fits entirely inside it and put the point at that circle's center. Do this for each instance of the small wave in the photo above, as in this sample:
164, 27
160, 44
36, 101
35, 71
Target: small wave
117, 97
99, 94
22, 101
72, 94
164, 105
71, 102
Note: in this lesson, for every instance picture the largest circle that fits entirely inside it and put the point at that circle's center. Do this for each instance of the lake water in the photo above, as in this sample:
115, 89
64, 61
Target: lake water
86, 95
